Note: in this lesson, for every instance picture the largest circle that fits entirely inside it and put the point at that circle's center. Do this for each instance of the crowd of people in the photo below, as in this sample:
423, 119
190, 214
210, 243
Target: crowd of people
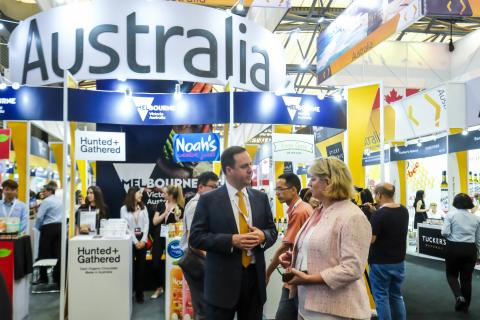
329, 242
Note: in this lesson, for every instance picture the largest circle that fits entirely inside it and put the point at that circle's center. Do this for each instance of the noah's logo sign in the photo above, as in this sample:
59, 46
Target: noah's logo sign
145, 40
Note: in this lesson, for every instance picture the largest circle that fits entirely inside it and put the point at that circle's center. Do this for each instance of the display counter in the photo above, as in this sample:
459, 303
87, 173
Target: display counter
15, 266
100, 278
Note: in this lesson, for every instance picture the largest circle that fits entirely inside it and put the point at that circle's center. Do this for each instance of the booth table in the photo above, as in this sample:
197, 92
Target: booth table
100, 278
15, 266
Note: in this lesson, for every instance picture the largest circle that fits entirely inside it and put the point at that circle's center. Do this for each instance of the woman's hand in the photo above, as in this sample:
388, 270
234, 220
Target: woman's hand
299, 278
286, 259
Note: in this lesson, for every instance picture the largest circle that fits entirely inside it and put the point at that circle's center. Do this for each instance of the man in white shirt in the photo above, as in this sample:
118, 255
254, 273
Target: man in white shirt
194, 260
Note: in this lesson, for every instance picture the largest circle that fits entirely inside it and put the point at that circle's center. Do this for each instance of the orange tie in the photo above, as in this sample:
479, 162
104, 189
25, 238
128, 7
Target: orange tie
242, 219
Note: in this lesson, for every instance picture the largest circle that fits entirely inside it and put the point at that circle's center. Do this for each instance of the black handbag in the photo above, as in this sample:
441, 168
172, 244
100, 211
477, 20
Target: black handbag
192, 264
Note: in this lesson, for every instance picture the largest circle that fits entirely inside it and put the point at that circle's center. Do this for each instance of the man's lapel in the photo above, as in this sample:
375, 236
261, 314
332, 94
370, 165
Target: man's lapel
253, 206
225, 206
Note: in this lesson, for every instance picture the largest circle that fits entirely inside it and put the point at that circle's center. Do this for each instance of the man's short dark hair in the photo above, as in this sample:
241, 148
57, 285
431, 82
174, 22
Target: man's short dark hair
205, 177
387, 190
463, 201
50, 188
292, 180
227, 159
10, 184
52, 183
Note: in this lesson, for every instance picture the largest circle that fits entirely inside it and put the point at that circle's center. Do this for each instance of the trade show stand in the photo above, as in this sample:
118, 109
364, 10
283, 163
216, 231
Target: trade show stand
15, 266
100, 278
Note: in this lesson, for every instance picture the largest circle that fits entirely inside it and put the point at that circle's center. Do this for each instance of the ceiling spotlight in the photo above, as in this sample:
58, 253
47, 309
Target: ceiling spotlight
304, 65
337, 97
465, 132
2, 26
406, 143
15, 86
322, 94
419, 143
3, 86
396, 149
294, 34
178, 94
128, 91
321, 19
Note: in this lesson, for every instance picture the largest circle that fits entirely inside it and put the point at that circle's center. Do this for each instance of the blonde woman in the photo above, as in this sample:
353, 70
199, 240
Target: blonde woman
331, 250
174, 204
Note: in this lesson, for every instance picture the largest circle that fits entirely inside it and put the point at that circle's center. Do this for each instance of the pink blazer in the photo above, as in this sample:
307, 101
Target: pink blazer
338, 250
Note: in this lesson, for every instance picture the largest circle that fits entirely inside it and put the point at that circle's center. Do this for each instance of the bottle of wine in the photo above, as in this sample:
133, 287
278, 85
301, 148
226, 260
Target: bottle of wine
471, 184
444, 192
476, 183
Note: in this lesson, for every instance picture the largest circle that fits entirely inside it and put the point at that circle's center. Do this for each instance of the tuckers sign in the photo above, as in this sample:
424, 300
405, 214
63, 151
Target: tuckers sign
145, 40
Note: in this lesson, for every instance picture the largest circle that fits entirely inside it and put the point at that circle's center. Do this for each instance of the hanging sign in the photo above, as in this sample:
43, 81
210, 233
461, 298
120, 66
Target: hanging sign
459, 142
160, 40
99, 145
5, 140
31, 103
196, 147
413, 151
293, 147
452, 8
148, 109
374, 158
359, 28
335, 150
268, 108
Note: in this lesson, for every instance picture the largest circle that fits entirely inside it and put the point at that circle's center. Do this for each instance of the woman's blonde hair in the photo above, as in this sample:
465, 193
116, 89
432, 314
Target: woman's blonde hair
177, 193
341, 185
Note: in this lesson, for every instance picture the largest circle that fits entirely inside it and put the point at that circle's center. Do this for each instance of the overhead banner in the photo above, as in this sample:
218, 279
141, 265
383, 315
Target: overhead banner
148, 109
460, 142
268, 108
146, 40
196, 147
374, 158
293, 147
99, 145
413, 151
421, 114
362, 26
452, 8
31, 103
335, 150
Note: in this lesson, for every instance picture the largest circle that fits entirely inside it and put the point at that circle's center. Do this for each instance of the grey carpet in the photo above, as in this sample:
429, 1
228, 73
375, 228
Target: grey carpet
426, 292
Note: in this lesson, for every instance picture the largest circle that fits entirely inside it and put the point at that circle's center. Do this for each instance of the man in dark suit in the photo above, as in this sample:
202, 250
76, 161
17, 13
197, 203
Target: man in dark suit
234, 225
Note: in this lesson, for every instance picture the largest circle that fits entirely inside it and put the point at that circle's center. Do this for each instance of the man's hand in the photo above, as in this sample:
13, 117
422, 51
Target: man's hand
259, 233
246, 241
140, 245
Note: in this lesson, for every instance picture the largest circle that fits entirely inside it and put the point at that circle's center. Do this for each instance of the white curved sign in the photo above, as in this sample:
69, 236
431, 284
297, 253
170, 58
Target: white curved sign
109, 39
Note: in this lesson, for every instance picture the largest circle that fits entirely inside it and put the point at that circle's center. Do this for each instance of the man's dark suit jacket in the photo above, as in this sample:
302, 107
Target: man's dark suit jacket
212, 229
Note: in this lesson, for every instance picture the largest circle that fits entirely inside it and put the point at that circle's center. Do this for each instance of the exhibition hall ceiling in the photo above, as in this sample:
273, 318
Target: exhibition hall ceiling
297, 30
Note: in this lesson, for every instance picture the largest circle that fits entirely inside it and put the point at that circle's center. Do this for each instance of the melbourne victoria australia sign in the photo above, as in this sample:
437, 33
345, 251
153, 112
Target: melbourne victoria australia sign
146, 40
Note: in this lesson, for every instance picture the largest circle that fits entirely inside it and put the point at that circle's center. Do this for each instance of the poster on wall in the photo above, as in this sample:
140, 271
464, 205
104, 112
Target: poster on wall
425, 174
361, 26
5, 140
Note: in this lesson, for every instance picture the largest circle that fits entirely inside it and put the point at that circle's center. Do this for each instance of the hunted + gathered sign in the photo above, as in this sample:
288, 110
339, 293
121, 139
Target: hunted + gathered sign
145, 40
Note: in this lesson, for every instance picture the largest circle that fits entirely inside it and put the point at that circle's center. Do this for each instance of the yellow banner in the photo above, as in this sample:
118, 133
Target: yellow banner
57, 149
360, 102
19, 141
279, 166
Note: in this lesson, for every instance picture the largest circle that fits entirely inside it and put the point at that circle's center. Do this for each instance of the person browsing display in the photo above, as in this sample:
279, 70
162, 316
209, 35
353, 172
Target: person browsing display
234, 225
11, 207
94, 203
330, 253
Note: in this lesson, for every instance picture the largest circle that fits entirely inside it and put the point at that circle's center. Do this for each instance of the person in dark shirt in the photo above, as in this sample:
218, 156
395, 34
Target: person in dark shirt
93, 202
387, 253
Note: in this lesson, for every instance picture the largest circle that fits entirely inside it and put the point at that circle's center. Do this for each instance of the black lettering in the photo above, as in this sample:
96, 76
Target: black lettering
261, 66
228, 48
132, 30
114, 57
211, 51
243, 55
78, 54
40, 63
161, 43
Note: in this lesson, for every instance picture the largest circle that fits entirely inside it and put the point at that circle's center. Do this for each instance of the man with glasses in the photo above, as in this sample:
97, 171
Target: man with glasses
287, 189
193, 261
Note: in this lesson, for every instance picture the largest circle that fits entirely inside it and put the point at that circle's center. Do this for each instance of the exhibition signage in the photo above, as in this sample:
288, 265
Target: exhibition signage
99, 145
431, 242
413, 151
5, 140
359, 28
374, 158
460, 142
39, 148
335, 150
293, 147
31, 103
268, 108
148, 109
421, 114
452, 8
146, 40
196, 147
